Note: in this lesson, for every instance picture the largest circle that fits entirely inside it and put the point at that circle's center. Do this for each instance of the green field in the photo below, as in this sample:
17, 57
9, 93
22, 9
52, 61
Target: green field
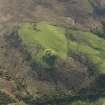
90, 45
37, 38
43, 36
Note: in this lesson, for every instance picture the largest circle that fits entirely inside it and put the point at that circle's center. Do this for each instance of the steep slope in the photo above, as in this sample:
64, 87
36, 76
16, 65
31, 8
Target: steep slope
85, 60
51, 50
35, 79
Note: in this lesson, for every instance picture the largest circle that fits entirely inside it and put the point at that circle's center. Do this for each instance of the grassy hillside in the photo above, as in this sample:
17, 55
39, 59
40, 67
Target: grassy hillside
43, 36
56, 33
90, 45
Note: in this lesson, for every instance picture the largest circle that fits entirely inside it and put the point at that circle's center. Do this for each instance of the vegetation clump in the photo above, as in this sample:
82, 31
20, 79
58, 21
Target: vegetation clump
50, 57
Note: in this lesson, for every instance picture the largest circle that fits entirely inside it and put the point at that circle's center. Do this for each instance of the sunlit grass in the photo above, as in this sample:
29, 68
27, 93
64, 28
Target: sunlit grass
89, 45
44, 35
